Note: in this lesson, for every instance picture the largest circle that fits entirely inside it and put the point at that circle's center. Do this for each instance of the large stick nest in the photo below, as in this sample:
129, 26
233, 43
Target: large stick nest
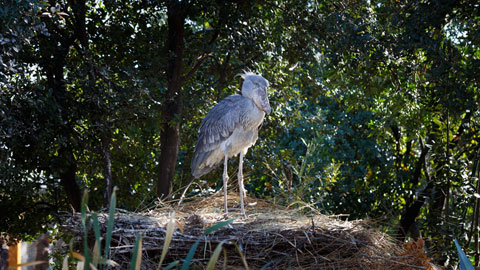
270, 236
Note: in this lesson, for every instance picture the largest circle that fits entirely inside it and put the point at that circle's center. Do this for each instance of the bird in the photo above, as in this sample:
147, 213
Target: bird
229, 129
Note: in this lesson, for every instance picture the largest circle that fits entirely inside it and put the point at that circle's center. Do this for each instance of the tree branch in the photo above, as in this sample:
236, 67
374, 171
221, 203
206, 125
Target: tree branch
198, 63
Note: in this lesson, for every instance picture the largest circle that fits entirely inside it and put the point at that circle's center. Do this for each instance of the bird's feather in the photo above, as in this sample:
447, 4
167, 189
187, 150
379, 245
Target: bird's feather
216, 127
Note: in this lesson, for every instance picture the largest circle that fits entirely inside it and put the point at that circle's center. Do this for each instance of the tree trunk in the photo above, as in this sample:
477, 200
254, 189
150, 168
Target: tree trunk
173, 103
413, 206
54, 50
72, 190
107, 170
68, 178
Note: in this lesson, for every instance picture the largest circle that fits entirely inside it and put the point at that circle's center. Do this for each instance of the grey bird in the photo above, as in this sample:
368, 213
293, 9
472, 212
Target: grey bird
229, 129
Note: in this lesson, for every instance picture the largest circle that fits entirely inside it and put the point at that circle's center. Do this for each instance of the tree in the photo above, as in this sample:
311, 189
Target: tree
375, 105
173, 106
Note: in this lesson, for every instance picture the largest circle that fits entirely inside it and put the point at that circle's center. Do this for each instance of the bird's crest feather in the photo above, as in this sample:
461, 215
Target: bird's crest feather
245, 74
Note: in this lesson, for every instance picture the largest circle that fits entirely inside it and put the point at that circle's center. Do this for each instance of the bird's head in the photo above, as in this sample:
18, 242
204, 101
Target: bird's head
255, 87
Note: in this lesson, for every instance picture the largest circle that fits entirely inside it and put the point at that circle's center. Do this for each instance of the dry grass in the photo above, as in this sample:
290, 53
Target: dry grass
271, 236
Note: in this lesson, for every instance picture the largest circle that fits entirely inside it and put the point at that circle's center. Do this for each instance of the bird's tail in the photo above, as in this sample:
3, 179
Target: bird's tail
199, 168
198, 165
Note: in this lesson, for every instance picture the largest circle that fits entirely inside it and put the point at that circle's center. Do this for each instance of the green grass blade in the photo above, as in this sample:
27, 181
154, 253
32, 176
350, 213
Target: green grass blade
86, 250
137, 254
98, 243
168, 239
218, 226
266, 266
171, 265
189, 258
111, 217
465, 263
191, 252
85, 223
214, 258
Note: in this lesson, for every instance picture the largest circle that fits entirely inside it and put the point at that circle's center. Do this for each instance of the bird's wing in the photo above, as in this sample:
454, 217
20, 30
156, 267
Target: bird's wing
221, 120
216, 127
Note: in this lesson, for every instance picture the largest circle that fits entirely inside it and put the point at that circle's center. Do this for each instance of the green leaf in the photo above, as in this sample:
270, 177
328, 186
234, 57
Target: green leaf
191, 252
171, 265
85, 223
137, 254
266, 266
96, 230
189, 258
86, 250
436, 121
465, 263
218, 226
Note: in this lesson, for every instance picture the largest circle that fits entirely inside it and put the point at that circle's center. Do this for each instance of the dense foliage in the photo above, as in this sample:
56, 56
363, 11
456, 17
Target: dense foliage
376, 106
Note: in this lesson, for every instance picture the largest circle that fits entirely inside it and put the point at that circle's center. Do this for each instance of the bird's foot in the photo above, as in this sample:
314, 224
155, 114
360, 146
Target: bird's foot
242, 211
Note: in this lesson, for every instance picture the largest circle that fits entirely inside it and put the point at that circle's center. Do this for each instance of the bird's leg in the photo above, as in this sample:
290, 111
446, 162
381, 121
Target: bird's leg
225, 179
240, 182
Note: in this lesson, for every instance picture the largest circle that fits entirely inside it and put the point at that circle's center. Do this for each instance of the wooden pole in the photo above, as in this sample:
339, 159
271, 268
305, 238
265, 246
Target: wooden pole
14, 255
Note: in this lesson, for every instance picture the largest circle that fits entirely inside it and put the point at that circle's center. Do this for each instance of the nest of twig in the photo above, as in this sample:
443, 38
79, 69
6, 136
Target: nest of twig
271, 237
